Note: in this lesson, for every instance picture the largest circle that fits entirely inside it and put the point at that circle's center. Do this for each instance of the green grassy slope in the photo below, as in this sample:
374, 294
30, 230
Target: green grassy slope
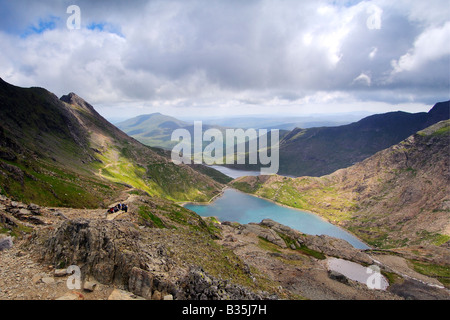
63, 153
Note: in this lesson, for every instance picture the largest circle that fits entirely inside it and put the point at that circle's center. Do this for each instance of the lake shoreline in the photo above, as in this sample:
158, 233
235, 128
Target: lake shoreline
278, 204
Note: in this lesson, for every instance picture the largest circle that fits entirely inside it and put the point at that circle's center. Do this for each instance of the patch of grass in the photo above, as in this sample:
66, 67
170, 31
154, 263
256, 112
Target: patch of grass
302, 248
439, 272
310, 252
442, 131
149, 218
392, 278
436, 239
440, 239
268, 246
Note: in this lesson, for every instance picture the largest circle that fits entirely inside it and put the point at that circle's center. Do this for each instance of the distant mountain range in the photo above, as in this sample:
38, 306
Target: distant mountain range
287, 122
323, 150
312, 151
61, 152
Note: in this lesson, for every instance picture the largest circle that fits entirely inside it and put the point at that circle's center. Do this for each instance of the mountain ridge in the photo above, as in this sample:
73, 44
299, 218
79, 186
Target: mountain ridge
323, 150
397, 197
55, 149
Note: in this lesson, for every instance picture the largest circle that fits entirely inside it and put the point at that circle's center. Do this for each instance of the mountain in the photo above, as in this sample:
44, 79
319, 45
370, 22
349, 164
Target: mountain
320, 151
286, 122
153, 129
61, 152
398, 197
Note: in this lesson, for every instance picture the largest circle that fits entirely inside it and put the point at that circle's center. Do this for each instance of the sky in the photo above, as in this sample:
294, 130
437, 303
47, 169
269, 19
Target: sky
228, 57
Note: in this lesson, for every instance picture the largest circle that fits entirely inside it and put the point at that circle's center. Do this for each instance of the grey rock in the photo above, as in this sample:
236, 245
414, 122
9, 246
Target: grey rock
105, 250
118, 294
141, 283
34, 208
156, 295
337, 276
265, 233
60, 272
198, 285
89, 286
48, 280
6, 243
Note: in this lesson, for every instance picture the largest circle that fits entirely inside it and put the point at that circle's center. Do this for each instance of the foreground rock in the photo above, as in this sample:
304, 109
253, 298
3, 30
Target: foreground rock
325, 244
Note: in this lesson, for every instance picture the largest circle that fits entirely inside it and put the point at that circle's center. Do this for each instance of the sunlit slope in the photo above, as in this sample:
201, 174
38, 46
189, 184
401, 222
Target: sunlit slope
62, 152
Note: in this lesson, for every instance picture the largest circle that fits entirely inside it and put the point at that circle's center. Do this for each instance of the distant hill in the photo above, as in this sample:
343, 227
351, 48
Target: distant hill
287, 122
323, 150
398, 197
61, 152
152, 129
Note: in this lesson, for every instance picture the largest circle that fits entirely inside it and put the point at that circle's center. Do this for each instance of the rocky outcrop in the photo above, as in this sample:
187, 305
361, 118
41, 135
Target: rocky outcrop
336, 248
116, 252
263, 232
6, 243
20, 211
324, 244
106, 250
198, 285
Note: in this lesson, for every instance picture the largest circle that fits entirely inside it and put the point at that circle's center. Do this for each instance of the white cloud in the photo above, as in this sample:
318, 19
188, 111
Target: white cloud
230, 54
362, 78
431, 45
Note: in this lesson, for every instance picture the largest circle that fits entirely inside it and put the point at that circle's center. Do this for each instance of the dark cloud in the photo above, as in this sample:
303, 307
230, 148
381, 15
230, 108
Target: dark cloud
230, 53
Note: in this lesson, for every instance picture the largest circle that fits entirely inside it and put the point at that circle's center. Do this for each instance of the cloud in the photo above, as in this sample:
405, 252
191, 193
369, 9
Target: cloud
235, 54
362, 78
431, 45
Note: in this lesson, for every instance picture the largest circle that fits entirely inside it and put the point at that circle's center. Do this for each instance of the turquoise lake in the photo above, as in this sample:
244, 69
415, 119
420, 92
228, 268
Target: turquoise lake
237, 206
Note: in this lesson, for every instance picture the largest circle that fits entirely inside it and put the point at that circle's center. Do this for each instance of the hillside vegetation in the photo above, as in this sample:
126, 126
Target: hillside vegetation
61, 152
398, 197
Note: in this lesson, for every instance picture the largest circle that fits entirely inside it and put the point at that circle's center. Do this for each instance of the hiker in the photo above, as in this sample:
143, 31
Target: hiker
111, 210
119, 206
116, 209
125, 208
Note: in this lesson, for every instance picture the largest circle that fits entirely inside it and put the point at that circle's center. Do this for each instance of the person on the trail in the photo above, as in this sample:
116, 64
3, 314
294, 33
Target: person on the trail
111, 210
116, 209
119, 206
125, 208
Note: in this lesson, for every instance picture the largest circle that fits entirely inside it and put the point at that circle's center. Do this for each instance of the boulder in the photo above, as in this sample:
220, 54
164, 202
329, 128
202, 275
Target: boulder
60, 272
265, 233
337, 276
34, 208
105, 250
141, 283
6, 243
89, 286
118, 294
336, 248
156, 295
48, 280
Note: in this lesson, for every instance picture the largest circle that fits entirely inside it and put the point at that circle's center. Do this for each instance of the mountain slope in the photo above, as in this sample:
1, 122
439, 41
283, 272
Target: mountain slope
400, 196
152, 129
62, 152
320, 151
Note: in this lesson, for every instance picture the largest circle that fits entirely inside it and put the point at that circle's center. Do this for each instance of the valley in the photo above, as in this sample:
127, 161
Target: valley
62, 165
